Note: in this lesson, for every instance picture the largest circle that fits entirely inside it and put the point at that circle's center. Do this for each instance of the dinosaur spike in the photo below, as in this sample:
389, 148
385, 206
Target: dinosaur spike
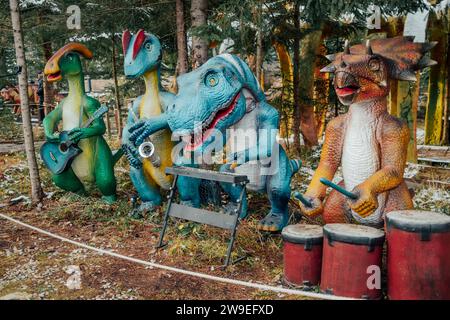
126, 37
331, 57
140, 38
427, 46
368, 48
383, 83
346, 47
329, 68
407, 75
426, 62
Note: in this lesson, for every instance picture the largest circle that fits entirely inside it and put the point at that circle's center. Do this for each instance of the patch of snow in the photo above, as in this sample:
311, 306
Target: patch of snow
74, 281
411, 170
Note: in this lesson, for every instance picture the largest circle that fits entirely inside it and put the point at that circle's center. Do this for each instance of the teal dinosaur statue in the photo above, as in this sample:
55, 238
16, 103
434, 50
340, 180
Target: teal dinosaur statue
95, 164
220, 106
142, 58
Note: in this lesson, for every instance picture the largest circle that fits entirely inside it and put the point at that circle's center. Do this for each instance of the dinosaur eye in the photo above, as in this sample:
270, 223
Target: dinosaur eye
211, 80
374, 64
148, 46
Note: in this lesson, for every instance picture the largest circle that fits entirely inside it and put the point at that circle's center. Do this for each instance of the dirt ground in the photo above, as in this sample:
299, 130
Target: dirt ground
34, 266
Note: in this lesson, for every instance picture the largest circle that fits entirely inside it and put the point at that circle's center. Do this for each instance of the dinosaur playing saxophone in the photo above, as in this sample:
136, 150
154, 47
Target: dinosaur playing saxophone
143, 54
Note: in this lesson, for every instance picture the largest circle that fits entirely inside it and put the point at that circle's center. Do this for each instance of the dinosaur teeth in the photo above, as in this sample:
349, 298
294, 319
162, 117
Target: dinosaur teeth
203, 130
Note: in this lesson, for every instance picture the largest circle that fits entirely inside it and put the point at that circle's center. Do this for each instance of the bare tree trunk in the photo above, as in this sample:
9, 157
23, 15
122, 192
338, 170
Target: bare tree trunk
182, 63
36, 190
445, 133
437, 79
308, 48
259, 47
3, 68
48, 89
117, 109
47, 54
296, 78
199, 46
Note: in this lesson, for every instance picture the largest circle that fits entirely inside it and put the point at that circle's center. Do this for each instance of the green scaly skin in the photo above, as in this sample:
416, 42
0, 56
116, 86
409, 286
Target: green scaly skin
96, 163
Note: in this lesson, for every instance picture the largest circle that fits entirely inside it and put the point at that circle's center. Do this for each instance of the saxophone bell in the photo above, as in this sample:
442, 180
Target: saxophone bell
147, 151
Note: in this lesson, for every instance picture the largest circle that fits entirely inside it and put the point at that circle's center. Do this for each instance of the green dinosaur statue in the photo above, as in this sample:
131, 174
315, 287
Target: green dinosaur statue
95, 164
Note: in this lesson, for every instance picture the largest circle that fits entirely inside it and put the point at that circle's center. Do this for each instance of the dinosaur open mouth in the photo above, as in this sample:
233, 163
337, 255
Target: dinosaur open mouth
54, 76
196, 139
347, 90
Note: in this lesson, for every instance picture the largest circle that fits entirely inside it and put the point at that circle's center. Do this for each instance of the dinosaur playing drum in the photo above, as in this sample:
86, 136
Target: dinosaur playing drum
367, 143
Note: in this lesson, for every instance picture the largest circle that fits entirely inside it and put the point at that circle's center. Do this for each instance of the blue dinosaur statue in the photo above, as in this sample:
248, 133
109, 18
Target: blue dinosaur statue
142, 58
223, 96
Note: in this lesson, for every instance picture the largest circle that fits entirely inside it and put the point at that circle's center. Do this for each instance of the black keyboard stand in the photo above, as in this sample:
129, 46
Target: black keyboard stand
216, 219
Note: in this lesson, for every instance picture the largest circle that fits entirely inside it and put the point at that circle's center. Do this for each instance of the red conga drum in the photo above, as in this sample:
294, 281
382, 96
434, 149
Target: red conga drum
352, 256
418, 255
302, 254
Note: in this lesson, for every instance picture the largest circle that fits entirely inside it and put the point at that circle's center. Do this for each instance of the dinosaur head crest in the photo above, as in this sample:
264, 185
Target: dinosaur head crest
66, 61
142, 53
362, 72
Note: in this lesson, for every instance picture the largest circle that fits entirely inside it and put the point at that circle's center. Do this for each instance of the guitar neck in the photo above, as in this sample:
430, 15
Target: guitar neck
88, 122
97, 114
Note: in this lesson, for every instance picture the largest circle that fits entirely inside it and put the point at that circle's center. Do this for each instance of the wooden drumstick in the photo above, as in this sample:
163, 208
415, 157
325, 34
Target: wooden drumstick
302, 199
346, 193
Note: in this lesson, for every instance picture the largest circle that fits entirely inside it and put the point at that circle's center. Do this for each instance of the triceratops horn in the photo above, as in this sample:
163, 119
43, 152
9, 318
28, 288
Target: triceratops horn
426, 62
329, 68
368, 48
331, 57
407, 75
428, 46
346, 47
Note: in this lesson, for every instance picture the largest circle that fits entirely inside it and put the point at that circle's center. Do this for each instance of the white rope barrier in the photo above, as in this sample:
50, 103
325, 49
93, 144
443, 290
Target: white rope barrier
181, 271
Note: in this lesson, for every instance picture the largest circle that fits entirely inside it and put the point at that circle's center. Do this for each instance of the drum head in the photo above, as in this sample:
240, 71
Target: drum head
302, 233
418, 221
353, 234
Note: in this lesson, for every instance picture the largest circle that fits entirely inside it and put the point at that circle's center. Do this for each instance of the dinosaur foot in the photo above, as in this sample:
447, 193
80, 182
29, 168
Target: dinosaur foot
109, 199
273, 222
190, 203
231, 208
143, 208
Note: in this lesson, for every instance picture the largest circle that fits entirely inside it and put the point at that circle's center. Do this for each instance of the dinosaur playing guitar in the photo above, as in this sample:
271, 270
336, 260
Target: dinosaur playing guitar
57, 156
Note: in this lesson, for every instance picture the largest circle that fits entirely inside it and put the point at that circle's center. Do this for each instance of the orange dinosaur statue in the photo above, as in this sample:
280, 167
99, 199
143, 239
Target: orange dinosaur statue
368, 142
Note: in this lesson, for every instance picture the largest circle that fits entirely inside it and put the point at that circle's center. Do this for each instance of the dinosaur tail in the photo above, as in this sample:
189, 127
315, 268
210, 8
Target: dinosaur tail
117, 154
296, 164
